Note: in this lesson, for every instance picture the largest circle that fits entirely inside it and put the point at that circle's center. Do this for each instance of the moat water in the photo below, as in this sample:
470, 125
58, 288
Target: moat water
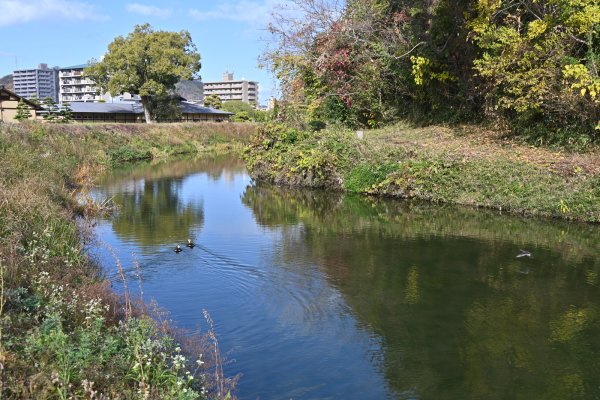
318, 295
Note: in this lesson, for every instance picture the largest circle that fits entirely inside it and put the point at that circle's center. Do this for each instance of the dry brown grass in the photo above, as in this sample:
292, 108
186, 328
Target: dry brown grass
177, 132
475, 143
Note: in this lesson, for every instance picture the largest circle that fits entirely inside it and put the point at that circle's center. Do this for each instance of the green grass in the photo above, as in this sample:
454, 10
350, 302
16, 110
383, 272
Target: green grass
435, 164
128, 154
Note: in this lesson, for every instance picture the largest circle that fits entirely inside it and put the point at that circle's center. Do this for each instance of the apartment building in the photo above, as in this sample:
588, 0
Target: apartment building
230, 89
40, 82
74, 87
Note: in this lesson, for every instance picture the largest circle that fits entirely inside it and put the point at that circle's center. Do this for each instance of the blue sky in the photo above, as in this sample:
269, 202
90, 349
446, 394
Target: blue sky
230, 35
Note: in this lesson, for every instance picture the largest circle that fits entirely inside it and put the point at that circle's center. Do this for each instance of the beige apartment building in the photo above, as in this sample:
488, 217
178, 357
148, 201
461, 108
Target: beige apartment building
74, 87
230, 89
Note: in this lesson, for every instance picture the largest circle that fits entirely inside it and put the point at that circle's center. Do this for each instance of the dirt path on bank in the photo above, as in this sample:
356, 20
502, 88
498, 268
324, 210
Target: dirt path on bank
473, 143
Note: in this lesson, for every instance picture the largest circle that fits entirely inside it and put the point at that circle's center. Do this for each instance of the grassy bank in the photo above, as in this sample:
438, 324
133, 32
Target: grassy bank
63, 332
465, 165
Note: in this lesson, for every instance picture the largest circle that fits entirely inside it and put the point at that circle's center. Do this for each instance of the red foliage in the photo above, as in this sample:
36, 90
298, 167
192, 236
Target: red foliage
401, 17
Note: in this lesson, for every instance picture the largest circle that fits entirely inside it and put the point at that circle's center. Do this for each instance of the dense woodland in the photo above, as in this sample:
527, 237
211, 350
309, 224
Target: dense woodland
530, 65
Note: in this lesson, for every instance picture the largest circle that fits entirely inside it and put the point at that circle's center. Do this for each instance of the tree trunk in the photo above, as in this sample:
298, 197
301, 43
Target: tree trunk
146, 105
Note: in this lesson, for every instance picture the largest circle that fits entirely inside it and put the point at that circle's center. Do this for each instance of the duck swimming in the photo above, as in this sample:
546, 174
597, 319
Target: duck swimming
177, 249
190, 244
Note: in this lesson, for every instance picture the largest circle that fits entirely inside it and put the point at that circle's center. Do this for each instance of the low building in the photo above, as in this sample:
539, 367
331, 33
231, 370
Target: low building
9, 102
40, 82
134, 112
191, 112
107, 112
229, 89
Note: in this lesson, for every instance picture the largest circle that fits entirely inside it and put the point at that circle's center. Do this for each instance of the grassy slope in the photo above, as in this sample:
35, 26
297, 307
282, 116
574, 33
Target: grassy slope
63, 332
461, 166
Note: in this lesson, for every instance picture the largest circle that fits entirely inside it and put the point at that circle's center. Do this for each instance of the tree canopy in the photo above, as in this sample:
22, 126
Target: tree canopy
52, 112
236, 106
23, 112
213, 101
245, 112
146, 62
531, 63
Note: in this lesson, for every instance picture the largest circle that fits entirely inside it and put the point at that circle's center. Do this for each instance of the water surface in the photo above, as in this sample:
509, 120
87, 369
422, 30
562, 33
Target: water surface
323, 296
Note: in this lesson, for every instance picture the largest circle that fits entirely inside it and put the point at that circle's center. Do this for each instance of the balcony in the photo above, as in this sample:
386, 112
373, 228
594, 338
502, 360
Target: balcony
76, 82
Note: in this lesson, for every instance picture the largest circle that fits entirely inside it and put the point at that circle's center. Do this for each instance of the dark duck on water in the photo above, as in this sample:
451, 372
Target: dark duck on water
177, 249
190, 244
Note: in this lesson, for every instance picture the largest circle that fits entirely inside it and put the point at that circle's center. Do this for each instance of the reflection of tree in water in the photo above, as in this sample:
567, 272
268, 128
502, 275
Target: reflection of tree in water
152, 213
150, 209
460, 316
214, 166
272, 206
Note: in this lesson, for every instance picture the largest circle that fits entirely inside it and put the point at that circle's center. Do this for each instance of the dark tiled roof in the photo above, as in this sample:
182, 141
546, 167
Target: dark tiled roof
136, 108
189, 90
108, 108
190, 108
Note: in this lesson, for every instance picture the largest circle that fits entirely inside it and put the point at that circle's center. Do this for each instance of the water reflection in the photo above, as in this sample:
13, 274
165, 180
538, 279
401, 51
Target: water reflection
321, 295
215, 166
155, 212
460, 315
152, 208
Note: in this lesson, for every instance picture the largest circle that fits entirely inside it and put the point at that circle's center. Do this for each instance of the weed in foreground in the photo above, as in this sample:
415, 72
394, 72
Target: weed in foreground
64, 333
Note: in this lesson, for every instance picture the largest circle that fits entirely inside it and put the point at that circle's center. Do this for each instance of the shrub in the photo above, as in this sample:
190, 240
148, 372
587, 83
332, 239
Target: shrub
128, 154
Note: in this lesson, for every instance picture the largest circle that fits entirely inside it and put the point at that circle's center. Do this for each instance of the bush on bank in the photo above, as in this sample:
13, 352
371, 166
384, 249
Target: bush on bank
63, 332
405, 163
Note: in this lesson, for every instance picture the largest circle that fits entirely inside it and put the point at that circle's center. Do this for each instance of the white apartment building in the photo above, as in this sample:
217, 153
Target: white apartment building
36, 83
229, 89
75, 87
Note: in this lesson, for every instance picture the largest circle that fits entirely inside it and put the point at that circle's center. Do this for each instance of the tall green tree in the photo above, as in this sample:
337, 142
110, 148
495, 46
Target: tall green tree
213, 101
236, 106
146, 62
245, 112
166, 108
540, 58
371, 61
23, 112
532, 63
242, 111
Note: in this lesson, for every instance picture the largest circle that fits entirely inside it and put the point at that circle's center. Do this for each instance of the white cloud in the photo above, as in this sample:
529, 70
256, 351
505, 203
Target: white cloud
148, 10
252, 12
20, 11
